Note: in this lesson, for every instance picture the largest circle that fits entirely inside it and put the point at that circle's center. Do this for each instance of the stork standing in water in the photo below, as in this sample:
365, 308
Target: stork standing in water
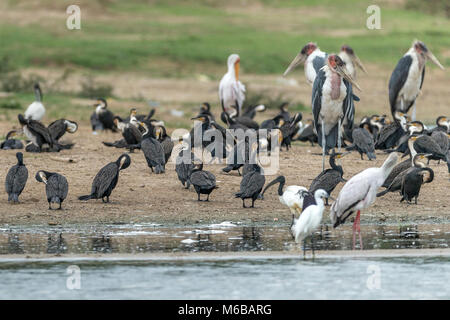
351, 60
359, 193
231, 90
407, 78
313, 58
332, 103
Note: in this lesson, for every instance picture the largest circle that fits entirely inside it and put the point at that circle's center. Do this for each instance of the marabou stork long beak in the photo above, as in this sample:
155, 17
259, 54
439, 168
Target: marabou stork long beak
297, 60
431, 56
343, 72
359, 63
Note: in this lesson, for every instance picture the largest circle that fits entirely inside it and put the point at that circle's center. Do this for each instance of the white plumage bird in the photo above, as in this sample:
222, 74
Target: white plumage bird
309, 220
359, 193
36, 110
292, 197
231, 90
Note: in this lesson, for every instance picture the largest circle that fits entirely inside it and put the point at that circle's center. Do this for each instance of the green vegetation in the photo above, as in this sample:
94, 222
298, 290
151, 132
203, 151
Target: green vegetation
174, 38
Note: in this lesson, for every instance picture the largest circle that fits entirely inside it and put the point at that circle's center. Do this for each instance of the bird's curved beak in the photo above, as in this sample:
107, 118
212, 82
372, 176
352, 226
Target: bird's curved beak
343, 72
431, 56
297, 60
359, 63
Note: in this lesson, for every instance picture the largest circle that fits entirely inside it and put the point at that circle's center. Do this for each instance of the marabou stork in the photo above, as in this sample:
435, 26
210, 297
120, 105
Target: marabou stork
407, 78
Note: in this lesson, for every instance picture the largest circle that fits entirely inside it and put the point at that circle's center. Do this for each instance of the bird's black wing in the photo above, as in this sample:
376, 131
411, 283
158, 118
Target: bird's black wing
348, 107
364, 140
316, 100
318, 63
251, 183
398, 79
40, 129
203, 179
57, 129
153, 151
327, 180
104, 179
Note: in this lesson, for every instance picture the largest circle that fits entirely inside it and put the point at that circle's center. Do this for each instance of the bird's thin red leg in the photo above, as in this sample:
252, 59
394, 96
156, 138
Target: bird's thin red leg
356, 227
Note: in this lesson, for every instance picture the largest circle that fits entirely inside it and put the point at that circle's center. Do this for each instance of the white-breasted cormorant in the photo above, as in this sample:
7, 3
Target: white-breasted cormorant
102, 119
412, 182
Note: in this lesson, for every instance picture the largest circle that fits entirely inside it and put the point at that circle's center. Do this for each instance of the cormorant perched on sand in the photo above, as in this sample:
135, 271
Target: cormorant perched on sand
251, 186
402, 165
329, 178
391, 133
363, 143
306, 133
56, 187
36, 110
10, 142
130, 133
241, 155
442, 124
442, 139
412, 182
154, 153
106, 179
102, 119
59, 127
184, 164
204, 182
16, 178
166, 142
288, 130
397, 182
37, 133
426, 144
273, 123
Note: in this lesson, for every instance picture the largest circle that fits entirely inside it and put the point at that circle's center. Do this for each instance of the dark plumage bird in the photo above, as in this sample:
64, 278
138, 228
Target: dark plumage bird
130, 133
442, 124
205, 110
426, 144
204, 182
102, 119
441, 138
37, 133
16, 178
306, 133
363, 143
56, 187
288, 130
396, 184
250, 111
273, 123
59, 127
391, 133
284, 112
240, 155
106, 179
154, 154
412, 182
166, 142
329, 178
10, 142
184, 164
402, 166
251, 186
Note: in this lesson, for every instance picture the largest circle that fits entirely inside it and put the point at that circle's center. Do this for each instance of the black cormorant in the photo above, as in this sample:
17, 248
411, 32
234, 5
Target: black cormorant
184, 163
38, 134
102, 119
154, 154
363, 143
16, 178
10, 142
329, 178
56, 187
251, 186
106, 179
204, 182
412, 182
